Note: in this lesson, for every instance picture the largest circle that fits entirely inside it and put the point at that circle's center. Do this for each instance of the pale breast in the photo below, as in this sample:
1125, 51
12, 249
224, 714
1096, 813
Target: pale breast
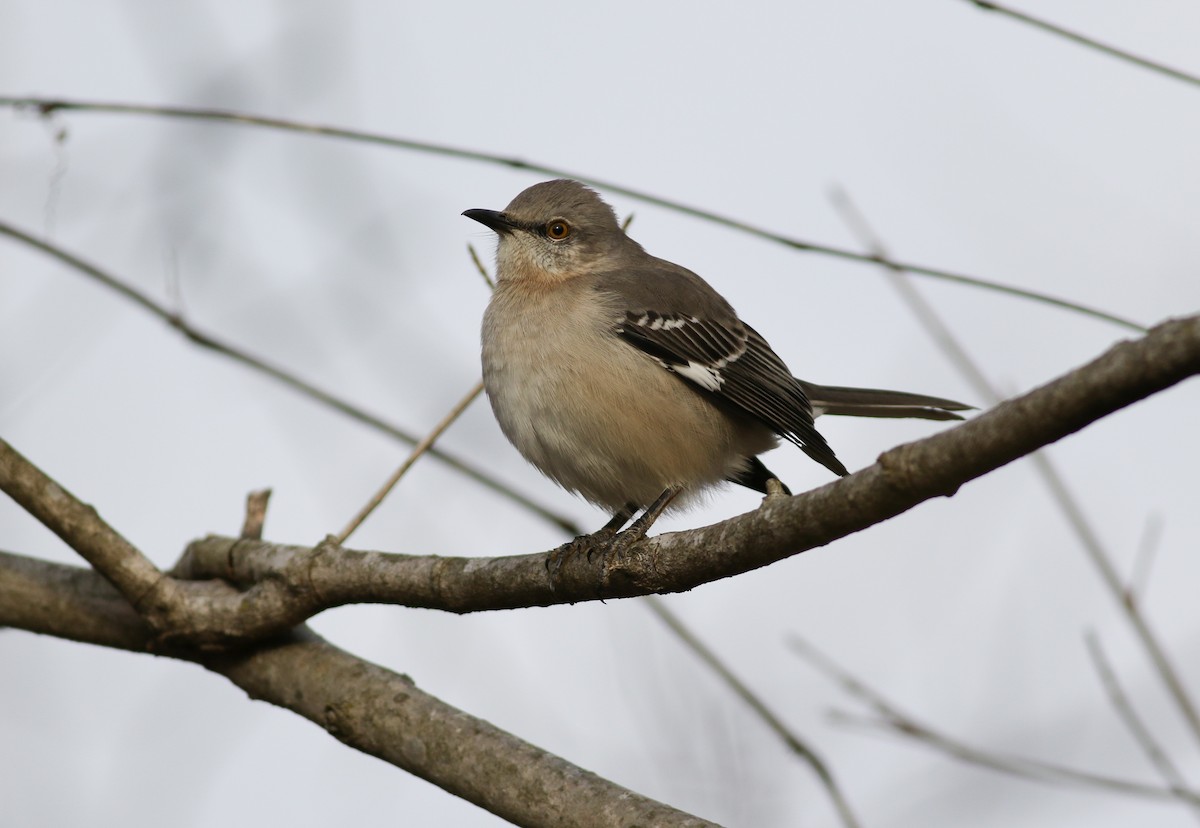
593, 413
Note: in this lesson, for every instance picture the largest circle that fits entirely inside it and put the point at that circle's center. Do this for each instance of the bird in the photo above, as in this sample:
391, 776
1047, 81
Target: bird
630, 380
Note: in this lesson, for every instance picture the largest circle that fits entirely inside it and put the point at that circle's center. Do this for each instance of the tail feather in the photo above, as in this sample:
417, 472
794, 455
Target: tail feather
874, 402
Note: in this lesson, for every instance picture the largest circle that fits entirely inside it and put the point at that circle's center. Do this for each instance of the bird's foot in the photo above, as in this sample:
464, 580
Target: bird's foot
584, 545
615, 548
618, 548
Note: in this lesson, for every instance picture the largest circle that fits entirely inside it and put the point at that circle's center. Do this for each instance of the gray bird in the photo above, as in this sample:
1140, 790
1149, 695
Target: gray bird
629, 379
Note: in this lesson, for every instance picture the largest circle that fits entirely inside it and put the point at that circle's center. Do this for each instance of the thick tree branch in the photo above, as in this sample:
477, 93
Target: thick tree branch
328, 575
357, 701
367, 707
385, 715
209, 614
79, 525
68, 602
287, 585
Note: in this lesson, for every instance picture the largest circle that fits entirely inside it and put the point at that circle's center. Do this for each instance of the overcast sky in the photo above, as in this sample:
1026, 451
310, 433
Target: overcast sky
969, 141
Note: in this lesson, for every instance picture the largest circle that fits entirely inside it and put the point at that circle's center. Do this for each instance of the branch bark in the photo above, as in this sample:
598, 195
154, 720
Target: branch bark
285, 585
366, 706
383, 713
327, 575
79, 526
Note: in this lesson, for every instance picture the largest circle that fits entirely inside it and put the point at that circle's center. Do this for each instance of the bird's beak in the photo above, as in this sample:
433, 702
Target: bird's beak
497, 221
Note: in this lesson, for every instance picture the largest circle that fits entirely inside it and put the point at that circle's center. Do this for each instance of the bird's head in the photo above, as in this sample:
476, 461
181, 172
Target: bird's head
553, 231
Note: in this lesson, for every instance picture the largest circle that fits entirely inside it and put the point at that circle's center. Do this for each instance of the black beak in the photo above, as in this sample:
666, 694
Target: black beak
490, 218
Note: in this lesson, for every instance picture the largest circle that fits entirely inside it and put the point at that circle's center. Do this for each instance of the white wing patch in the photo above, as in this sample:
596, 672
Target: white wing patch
656, 322
707, 377
698, 350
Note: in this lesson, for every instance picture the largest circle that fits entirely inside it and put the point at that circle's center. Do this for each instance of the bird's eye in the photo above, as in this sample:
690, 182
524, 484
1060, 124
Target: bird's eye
558, 230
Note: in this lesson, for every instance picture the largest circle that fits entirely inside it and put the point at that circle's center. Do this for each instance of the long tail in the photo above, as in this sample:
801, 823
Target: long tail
873, 402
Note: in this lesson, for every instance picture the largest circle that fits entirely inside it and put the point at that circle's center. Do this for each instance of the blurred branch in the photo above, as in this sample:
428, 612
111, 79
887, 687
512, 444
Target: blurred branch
892, 719
1139, 578
47, 106
1141, 734
176, 321
1083, 40
793, 742
487, 277
420, 449
367, 707
1097, 553
1102, 560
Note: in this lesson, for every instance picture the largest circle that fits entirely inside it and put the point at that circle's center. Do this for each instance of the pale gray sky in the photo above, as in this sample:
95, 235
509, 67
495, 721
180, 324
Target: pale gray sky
971, 143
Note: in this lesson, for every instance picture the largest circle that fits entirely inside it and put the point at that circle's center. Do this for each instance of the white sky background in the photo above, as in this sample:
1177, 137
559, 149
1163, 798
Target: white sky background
971, 142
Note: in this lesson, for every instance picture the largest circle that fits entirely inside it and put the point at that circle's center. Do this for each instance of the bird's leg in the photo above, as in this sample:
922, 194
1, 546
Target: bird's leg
616, 523
642, 525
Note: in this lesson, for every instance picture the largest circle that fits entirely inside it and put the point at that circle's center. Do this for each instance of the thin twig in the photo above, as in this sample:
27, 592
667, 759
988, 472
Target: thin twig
793, 742
1137, 728
1020, 767
50, 105
895, 721
1104, 565
1144, 559
256, 514
1099, 555
291, 380
421, 448
1090, 43
487, 277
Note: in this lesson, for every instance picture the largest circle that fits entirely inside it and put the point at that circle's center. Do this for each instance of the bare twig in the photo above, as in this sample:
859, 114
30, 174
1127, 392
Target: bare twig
256, 514
420, 449
1018, 766
1090, 43
893, 720
1144, 559
291, 380
50, 105
1137, 728
1099, 555
926, 315
793, 742
487, 277
1103, 562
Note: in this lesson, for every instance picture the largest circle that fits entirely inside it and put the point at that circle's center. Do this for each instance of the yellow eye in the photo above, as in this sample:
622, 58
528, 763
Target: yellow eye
558, 230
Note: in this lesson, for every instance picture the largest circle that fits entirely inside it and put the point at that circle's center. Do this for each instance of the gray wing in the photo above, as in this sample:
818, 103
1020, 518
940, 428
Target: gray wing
675, 317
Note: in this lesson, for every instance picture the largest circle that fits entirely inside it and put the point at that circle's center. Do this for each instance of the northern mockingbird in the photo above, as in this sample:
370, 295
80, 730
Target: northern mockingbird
629, 379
